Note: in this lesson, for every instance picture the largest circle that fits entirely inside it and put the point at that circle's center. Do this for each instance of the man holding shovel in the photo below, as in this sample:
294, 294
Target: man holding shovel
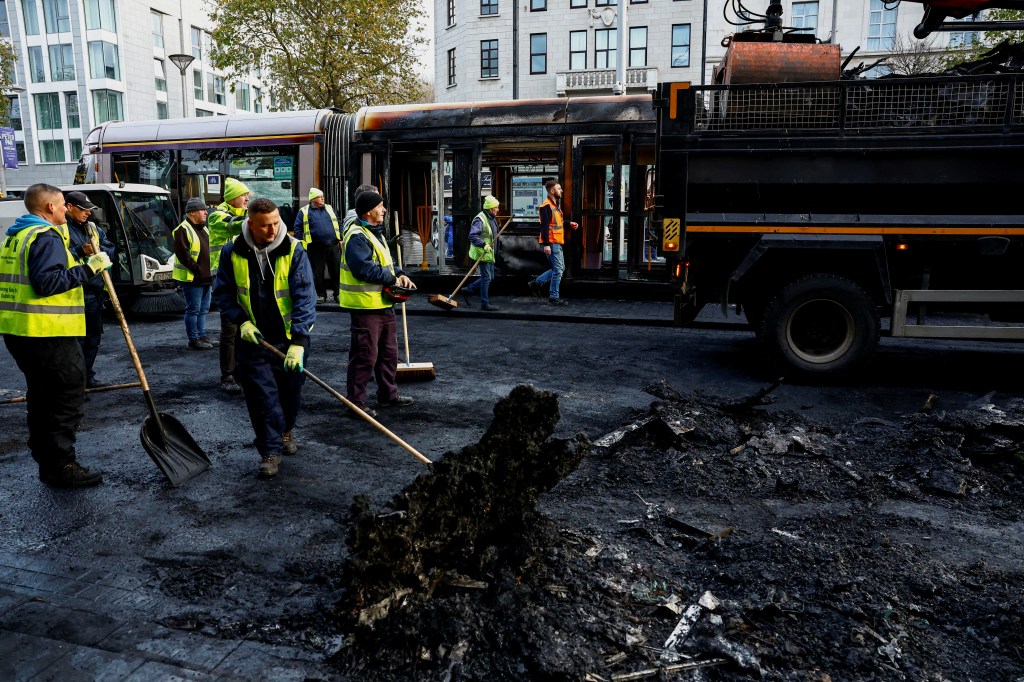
264, 285
42, 314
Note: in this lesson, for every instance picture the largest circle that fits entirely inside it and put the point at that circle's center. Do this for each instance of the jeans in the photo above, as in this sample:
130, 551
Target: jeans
373, 353
483, 283
197, 305
554, 275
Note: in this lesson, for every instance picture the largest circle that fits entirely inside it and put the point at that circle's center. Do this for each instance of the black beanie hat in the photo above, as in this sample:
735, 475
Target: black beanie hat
366, 201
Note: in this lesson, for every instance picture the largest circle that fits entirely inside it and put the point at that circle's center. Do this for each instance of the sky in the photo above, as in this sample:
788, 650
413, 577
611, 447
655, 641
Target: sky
426, 69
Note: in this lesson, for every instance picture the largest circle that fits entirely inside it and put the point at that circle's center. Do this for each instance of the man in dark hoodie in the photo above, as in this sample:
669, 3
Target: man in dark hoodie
42, 314
82, 231
256, 269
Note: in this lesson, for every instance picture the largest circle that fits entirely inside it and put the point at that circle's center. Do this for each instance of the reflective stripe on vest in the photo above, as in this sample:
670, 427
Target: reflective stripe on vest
487, 234
356, 294
22, 311
282, 292
556, 232
181, 273
306, 237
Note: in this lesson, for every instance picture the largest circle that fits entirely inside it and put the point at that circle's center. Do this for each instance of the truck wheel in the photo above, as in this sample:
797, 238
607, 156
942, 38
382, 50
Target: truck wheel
820, 326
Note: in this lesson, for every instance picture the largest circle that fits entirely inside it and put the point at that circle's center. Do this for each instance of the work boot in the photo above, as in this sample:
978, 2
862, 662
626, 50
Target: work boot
199, 344
71, 475
467, 298
95, 383
368, 410
290, 446
206, 339
228, 383
535, 287
397, 401
558, 301
488, 307
321, 299
269, 466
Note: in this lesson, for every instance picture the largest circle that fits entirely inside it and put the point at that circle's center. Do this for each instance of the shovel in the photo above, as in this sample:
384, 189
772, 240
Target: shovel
175, 452
449, 302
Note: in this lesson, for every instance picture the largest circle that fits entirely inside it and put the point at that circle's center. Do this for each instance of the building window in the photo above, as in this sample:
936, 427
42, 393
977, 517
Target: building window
200, 113
31, 14
577, 50
680, 45
156, 22
159, 75
638, 46
538, 53
451, 12
76, 149
161, 110
56, 16
638, 2
108, 106
964, 38
488, 7
805, 15
242, 96
197, 84
881, 26
577, 3
257, 100
103, 60
71, 102
488, 58
218, 90
451, 67
20, 148
605, 49
604, 3
538, 5
62, 63
197, 43
15, 112
35, 65
48, 111
51, 151
100, 14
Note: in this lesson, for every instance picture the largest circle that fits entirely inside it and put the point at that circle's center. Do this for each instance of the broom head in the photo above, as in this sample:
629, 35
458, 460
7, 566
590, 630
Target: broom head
442, 302
415, 371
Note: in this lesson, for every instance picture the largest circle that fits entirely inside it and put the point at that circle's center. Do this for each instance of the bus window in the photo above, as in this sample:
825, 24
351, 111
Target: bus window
269, 172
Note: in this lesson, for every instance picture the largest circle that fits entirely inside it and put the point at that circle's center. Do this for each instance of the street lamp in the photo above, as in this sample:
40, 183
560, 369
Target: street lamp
14, 89
182, 61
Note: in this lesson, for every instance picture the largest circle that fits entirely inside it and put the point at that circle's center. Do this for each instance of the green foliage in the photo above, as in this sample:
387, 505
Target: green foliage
8, 56
321, 53
989, 39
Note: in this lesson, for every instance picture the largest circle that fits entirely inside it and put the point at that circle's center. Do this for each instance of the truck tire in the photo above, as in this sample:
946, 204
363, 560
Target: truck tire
820, 326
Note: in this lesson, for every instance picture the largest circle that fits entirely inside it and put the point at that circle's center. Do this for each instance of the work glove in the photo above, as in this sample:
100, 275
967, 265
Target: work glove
488, 248
293, 358
250, 333
98, 262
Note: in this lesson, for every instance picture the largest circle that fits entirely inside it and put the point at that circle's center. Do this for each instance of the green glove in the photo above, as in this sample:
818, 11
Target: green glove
250, 333
293, 358
98, 262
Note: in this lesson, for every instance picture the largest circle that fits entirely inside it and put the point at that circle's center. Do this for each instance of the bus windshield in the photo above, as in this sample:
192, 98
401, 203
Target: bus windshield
151, 218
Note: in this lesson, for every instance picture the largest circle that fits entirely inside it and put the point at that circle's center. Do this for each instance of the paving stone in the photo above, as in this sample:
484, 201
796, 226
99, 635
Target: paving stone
171, 646
55, 622
253, 660
22, 657
86, 663
10, 600
153, 671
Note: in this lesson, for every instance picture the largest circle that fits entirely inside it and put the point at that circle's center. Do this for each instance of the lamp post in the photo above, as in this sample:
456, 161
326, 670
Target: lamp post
15, 90
182, 61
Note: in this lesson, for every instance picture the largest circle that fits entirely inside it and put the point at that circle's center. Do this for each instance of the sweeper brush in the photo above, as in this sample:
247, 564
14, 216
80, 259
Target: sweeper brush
449, 302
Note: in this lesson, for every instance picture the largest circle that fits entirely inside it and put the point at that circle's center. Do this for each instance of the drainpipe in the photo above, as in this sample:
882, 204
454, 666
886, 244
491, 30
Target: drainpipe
832, 35
620, 64
515, 49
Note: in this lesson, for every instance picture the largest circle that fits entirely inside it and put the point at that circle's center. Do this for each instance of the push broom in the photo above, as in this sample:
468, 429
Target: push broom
410, 371
449, 302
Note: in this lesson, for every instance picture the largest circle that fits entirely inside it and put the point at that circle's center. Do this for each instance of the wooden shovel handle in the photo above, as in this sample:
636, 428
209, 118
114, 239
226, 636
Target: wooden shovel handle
473, 269
352, 406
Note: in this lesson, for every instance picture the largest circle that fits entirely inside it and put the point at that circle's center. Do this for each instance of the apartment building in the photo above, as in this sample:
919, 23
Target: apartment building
84, 62
518, 49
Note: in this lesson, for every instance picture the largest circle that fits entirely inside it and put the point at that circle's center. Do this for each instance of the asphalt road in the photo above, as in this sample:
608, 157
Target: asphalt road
227, 548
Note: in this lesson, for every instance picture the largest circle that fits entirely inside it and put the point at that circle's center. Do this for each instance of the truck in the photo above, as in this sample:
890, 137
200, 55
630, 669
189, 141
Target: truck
138, 219
820, 207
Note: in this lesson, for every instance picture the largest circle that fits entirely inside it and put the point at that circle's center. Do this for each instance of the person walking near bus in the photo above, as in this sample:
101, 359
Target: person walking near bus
192, 271
552, 237
42, 312
82, 231
316, 226
264, 286
225, 223
366, 269
483, 242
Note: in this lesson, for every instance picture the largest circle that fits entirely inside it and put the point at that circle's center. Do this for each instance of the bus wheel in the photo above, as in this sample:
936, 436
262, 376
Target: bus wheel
820, 326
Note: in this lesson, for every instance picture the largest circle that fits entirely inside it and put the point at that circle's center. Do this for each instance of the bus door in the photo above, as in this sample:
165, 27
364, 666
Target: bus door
643, 244
459, 182
598, 206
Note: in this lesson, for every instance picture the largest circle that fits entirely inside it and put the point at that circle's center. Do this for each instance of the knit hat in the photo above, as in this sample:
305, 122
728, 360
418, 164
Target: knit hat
367, 201
314, 193
195, 204
490, 202
234, 189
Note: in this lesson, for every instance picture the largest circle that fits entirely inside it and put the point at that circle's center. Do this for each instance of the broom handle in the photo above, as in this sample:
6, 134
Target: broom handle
405, 324
352, 406
100, 389
473, 269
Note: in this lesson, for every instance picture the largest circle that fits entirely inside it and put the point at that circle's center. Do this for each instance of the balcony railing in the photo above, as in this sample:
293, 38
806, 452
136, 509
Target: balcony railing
603, 79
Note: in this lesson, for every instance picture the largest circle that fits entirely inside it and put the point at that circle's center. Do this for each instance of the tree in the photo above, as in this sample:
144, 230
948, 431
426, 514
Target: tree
8, 57
912, 57
321, 53
973, 50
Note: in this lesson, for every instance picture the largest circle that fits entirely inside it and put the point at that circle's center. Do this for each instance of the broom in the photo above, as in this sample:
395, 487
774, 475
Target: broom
409, 371
449, 302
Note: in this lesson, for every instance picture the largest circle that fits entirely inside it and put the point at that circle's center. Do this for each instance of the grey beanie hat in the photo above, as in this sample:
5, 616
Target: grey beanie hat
195, 204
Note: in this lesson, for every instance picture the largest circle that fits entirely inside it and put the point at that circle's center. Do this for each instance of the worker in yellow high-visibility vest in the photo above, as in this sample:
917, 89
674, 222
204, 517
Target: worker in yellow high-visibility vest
316, 226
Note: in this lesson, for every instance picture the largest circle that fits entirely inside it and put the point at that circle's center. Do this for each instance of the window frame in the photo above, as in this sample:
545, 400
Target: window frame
611, 39
573, 53
489, 56
451, 68
53, 145
631, 49
30, 17
538, 5
73, 111
798, 21
196, 36
108, 96
577, 4
240, 88
103, 66
15, 107
51, 111
489, 8
198, 92
156, 28
882, 43
96, 18
675, 46
539, 55
63, 51
166, 111
52, 8
35, 64
451, 13
159, 76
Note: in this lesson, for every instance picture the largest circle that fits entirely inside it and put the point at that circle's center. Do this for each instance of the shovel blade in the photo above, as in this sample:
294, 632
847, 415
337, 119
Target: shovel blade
173, 450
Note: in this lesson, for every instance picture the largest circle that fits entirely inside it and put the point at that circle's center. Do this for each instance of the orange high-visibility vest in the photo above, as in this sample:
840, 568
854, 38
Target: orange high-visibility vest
556, 231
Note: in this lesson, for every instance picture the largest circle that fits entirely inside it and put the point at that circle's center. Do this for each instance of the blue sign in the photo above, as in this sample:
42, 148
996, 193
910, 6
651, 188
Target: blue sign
10, 148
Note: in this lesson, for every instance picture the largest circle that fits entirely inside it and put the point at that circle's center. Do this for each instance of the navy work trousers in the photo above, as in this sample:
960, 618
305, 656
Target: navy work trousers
272, 394
373, 353
93, 333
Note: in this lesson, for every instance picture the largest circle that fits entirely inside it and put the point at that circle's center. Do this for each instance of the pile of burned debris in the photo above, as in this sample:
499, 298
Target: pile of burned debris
704, 540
